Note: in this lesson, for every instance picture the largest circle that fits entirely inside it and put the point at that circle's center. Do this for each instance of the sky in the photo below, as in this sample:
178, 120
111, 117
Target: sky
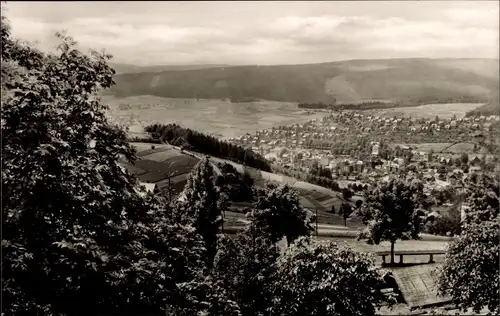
264, 32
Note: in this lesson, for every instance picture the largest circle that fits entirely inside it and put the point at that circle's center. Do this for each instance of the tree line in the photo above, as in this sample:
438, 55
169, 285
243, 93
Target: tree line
208, 145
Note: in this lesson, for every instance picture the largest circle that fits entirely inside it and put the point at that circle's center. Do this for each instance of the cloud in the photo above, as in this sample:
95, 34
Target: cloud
146, 36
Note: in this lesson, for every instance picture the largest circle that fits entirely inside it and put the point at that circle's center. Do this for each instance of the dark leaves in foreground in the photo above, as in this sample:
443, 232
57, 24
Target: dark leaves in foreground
78, 237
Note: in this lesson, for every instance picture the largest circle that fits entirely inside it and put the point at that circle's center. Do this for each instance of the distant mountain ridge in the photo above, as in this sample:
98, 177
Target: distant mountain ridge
408, 81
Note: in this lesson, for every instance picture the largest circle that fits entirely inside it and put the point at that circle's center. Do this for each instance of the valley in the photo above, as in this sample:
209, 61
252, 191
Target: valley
221, 118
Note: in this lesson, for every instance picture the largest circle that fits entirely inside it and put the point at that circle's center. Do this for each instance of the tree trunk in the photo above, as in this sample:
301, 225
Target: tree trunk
392, 251
345, 222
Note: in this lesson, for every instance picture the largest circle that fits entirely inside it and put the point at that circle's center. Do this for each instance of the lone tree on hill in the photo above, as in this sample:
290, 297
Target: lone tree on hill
390, 212
346, 193
279, 213
74, 221
346, 211
203, 205
319, 278
470, 274
332, 210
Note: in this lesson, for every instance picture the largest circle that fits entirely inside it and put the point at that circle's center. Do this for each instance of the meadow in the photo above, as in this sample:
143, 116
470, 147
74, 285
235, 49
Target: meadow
430, 111
220, 118
438, 147
154, 165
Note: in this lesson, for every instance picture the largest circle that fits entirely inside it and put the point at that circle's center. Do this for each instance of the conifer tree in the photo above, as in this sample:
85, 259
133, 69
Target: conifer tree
203, 205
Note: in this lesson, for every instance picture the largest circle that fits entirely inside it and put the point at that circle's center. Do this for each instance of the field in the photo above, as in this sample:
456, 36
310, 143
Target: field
221, 118
154, 165
430, 111
437, 147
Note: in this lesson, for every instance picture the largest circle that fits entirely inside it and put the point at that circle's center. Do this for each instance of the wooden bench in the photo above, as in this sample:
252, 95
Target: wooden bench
402, 253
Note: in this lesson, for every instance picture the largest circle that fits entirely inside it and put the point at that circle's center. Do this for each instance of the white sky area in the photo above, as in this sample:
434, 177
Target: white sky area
264, 33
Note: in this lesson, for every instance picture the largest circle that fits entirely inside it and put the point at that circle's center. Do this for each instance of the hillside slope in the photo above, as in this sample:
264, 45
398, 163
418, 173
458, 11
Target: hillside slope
127, 68
409, 81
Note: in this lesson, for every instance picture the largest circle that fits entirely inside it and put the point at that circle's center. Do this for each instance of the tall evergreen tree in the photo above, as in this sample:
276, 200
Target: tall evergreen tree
203, 204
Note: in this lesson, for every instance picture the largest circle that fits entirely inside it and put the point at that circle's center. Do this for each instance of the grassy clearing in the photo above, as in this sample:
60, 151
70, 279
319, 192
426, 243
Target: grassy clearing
163, 155
430, 111
437, 147
150, 151
153, 165
146, 147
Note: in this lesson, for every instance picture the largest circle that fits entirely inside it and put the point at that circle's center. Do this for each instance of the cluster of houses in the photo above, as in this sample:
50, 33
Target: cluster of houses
289, 147
301, 135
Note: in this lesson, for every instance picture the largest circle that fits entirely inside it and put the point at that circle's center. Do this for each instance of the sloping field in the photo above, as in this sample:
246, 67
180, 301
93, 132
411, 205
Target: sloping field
177, 182
306, 203
162, 156
430, 111
438, 147
154, 165
312, 187
146, 147
149, 151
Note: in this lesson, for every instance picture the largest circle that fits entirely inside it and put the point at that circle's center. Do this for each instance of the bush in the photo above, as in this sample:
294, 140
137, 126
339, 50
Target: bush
348, 283
359, 203
346, 193
445, 225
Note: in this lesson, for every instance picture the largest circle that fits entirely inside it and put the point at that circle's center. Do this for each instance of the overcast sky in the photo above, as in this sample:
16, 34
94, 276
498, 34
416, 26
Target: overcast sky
170, 33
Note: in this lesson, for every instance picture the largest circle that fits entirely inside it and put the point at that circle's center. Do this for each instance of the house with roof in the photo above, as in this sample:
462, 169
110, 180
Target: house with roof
475, 160
149, 187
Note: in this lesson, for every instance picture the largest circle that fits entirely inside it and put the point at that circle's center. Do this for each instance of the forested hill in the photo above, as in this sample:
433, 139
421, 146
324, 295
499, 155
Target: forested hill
405, 80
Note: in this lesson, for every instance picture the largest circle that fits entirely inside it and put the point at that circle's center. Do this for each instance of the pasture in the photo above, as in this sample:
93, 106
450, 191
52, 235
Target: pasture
430, 111
154, 165
220, 118
438, 147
